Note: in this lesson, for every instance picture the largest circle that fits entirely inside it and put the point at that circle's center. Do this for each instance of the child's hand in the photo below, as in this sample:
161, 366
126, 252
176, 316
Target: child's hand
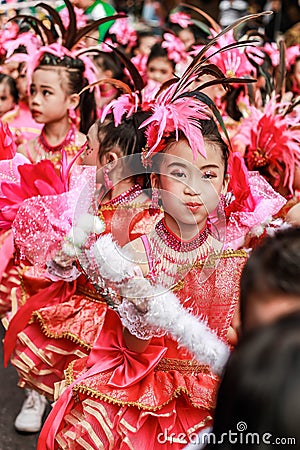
232, 336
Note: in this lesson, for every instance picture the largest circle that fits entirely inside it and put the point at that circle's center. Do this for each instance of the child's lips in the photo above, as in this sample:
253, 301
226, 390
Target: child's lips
193, 206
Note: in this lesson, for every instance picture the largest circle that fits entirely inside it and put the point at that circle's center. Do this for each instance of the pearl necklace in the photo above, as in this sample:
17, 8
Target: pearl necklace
126, 197
172, 258
172, 241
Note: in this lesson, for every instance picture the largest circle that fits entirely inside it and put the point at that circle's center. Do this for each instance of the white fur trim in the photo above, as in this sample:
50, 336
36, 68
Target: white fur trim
114, 263
90, 224
191, 332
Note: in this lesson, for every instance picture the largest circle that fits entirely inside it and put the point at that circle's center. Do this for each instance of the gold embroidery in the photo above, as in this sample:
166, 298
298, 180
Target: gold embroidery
81, 389
107, 398
66, 334
182, 366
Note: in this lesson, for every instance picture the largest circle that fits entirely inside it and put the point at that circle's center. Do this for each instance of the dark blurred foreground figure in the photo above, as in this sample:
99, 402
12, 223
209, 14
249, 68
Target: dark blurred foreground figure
258, 404
270, 281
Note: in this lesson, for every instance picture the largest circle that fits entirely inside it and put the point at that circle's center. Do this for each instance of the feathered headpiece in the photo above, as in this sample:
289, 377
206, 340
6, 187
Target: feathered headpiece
61, 43
271, 136
132, 99
179, 107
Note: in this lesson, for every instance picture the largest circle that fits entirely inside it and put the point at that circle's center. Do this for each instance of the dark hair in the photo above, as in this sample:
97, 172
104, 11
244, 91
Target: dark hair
260, 389
210, 134
127, 137
11, 83
273, 268
143, 34
75, 82
157, 51
198, 34
110, 61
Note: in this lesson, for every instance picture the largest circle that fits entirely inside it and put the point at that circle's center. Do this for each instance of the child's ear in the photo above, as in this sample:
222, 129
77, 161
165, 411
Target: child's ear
154, 178
110, 159
225, 184
74, 100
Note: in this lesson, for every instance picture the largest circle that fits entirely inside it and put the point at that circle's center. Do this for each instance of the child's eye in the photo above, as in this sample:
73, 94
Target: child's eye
208, 175
46, 92
32, 90
178, 174
3, 99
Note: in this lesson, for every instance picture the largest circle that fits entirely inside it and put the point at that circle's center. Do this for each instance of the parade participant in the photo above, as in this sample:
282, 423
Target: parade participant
147, 386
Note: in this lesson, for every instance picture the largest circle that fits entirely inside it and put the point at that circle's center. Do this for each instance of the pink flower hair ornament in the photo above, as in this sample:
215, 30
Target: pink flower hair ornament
125, 34
291, 54
175, 48
180, 18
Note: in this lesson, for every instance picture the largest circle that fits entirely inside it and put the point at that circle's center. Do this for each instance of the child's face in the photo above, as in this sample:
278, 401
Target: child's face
296, 74
189, 189
22, 86
187, 37
160, 70
91, 155
6, 99
48, 102
146, 43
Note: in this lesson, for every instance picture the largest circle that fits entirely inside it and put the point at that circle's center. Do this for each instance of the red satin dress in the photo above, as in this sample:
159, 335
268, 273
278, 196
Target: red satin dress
120, 399
60, 321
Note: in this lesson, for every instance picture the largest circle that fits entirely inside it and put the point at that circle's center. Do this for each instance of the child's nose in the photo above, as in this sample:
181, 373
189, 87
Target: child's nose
35, 99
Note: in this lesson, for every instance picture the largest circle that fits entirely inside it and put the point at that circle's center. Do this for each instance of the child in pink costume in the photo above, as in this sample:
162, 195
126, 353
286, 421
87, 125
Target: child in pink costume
141, 386
65, 325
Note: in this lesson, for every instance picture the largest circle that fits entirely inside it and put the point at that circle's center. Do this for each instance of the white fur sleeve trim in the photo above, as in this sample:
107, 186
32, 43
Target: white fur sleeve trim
192, 333
114, 263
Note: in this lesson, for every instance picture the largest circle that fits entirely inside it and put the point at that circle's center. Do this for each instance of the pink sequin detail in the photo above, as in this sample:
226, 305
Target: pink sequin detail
43, 221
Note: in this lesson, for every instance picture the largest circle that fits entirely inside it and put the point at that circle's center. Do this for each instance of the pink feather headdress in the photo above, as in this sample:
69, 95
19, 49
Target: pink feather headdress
179, 108
65, 44
272, 137
174, 112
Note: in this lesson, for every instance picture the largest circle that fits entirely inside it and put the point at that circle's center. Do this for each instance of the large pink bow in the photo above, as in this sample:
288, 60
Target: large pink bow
108, 352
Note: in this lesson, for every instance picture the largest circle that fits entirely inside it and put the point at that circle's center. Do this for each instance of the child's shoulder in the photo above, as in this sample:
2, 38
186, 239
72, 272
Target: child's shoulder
80, 138
29, 149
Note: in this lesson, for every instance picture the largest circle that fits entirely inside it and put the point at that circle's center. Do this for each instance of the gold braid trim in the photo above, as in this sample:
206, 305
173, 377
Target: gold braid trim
66, 334
106, 398
79, 389
208, 263
23, 294
182, 366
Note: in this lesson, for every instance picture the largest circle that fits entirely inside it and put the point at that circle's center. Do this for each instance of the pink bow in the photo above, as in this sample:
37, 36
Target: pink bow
108, 352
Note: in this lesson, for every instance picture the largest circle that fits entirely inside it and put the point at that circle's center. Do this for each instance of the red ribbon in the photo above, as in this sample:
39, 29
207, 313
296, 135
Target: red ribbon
109, 352
57, 292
